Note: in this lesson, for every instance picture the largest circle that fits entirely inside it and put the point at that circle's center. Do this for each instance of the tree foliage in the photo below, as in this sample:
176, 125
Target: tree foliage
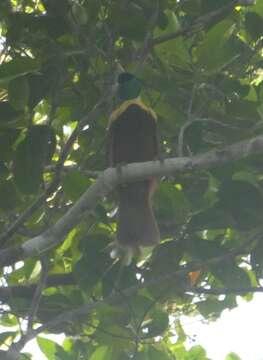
200, 62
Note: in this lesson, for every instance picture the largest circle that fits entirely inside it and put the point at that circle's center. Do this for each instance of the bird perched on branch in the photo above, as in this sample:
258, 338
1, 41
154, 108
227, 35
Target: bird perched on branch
133, 138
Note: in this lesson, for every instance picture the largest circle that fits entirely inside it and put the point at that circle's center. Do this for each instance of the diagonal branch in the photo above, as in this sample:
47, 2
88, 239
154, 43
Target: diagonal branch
110, 178
101, 106
199, 24
90, 117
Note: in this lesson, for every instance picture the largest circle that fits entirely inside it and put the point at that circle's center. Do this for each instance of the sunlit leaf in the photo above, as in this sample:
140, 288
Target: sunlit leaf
48, 347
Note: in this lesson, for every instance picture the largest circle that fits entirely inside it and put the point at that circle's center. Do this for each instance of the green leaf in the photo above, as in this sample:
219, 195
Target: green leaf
67, 243
258, 8
136, 27
155, 323
211, 308
197, 352
211, 218
212, 74
175, 51
202, 249
156, 354
17, 67
7, 113
48, 347
74, 184
172, 205
141, 305
231, 87
254, 25
165, 258
31, 155
180, 333
61, 354
230, 275
101, 353
116, 315
243, 201
87, 271
51, 305
7, 337
8, 320
18, 92
216, 50
232, 356
123, 337
79, 14
242, 112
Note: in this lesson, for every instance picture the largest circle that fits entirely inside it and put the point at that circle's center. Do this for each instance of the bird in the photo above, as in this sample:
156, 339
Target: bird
132, 137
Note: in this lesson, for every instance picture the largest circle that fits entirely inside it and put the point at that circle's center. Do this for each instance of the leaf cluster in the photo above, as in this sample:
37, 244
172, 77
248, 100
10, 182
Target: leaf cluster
58, 59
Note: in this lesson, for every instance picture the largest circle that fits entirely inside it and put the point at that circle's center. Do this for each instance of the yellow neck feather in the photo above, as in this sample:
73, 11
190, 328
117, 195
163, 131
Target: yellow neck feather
124, 106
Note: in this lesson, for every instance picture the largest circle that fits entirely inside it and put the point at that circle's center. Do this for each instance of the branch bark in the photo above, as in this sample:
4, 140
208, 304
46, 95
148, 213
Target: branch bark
110, 178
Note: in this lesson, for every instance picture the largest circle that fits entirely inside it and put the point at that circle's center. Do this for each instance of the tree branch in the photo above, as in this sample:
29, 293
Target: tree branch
92, 115
119, 297
110, 178
199, 24
226, 291
101, 106
190, 122
27, 291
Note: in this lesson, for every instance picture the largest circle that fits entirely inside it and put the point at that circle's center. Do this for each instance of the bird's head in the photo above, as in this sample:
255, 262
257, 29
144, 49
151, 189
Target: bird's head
129, 87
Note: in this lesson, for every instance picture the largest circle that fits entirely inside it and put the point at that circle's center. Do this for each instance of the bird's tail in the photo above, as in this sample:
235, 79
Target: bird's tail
136, 222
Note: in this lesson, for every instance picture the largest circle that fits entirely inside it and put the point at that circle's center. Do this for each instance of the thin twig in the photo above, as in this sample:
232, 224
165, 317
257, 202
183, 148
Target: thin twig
15, 349
115, 298
143, 52
192, 121
38, 293
226, 291
102, 104
90, 117
189, 121
198, 25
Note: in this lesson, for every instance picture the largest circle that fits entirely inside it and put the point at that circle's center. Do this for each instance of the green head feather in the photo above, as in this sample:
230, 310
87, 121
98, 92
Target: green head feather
129, 86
